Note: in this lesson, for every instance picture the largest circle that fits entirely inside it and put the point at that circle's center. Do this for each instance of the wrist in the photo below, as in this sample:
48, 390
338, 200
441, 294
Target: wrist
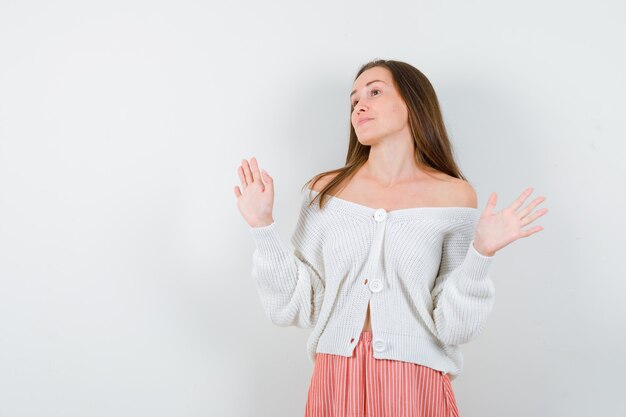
262, 223
482, 250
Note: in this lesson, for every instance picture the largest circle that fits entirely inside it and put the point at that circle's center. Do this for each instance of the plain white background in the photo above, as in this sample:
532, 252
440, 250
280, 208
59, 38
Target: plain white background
125, 286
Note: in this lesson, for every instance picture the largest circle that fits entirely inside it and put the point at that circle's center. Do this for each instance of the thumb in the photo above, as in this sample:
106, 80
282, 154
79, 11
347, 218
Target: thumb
266, 178
491, 203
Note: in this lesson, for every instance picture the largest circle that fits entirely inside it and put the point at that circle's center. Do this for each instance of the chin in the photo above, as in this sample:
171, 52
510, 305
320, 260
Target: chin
368, 139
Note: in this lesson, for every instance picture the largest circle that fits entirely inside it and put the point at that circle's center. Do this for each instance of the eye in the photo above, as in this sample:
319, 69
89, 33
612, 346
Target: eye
374, 90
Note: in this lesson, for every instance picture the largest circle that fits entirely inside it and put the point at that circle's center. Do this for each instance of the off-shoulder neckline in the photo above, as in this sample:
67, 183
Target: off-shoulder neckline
347, 204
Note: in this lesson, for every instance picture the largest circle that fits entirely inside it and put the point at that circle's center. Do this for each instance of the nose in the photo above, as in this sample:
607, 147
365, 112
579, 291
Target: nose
360, 106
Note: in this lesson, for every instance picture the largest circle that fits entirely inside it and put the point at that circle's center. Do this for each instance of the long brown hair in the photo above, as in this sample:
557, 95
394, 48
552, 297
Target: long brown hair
432, 150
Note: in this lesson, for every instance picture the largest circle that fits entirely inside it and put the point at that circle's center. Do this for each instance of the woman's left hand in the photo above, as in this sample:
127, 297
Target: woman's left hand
496, 230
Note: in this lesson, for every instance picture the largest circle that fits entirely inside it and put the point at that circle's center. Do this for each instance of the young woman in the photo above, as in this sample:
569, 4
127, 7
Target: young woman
391, 265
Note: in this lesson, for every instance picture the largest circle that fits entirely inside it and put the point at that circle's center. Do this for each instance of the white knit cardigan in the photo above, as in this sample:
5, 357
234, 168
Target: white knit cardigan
429, 289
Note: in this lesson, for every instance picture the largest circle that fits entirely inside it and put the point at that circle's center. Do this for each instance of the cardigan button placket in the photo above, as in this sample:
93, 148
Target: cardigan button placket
376, 285
379, 345
380, 215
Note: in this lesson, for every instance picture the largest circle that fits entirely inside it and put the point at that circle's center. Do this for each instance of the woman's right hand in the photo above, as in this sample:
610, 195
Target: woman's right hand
256, 201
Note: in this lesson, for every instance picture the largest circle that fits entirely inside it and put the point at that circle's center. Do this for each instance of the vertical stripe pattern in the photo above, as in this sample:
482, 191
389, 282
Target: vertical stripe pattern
363, 386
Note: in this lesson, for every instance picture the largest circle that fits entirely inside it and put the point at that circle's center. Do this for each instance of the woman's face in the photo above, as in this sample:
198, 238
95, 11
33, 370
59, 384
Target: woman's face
378, 111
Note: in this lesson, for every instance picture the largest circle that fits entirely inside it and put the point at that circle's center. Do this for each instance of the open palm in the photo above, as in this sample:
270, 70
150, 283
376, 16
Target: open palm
496, 230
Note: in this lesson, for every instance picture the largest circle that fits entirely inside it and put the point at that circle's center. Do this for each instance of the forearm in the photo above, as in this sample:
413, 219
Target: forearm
290, 289
464, 300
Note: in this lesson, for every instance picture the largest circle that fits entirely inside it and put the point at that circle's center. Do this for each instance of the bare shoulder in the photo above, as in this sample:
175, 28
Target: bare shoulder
460, 192
322, 182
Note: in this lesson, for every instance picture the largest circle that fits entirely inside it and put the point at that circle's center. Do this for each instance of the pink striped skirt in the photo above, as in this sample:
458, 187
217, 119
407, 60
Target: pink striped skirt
362, 386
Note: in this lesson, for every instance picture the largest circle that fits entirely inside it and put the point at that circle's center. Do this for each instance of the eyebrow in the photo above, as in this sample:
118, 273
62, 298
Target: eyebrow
354, 91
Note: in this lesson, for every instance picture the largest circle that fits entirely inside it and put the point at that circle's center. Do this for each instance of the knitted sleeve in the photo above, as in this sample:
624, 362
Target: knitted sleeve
463, 294
289, 282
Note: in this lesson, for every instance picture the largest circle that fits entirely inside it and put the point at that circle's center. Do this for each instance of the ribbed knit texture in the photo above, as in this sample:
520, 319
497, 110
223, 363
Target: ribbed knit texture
429, 289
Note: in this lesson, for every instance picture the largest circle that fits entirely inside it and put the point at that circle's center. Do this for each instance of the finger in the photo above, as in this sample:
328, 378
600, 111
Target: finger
531, 206
242, 177
246, 171
529, 232
520, 200
256, 175
529, 219
237, 192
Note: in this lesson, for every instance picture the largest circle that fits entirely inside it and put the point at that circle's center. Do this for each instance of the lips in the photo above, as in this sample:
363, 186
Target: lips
361, 121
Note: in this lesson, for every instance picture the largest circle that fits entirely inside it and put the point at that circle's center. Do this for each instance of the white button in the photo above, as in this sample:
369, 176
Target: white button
376, 285
380, 215
379, 345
